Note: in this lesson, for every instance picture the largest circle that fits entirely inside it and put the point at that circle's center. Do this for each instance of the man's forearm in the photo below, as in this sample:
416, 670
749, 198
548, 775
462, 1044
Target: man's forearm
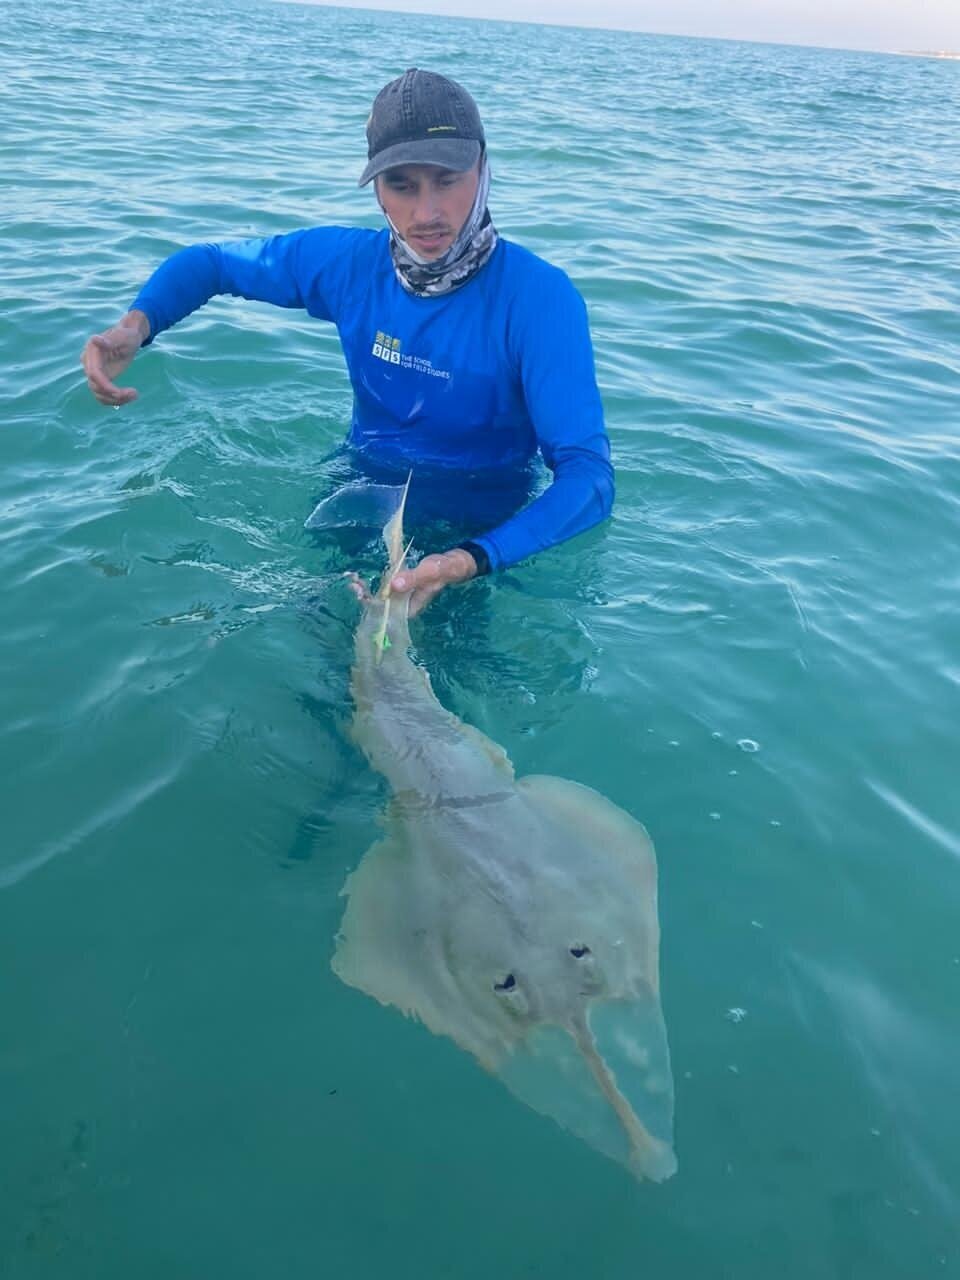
181, 284
138, 320
264, 270
580, 496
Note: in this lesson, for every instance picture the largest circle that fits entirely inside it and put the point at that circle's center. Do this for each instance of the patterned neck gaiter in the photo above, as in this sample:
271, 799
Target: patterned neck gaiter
470, 251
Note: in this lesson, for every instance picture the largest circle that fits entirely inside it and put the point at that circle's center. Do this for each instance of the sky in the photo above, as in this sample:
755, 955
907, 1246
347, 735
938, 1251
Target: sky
849, 24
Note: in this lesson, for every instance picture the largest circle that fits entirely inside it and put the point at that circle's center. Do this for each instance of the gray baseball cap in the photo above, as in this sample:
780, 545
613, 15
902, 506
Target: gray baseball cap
422, 118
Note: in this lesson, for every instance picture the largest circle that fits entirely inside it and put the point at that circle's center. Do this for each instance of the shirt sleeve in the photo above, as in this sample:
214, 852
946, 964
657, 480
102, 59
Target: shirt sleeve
550, 336
300, 269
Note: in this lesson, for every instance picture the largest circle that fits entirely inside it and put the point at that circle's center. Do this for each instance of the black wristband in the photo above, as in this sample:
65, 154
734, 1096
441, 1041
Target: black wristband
478, 553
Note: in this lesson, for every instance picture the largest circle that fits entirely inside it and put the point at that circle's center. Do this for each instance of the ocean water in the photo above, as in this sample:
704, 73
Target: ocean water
757, 656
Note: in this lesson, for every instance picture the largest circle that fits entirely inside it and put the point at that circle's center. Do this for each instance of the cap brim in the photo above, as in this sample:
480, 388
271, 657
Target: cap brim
458, 154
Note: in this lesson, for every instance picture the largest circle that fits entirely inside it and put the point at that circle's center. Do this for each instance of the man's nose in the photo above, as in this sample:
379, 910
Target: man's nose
425, 210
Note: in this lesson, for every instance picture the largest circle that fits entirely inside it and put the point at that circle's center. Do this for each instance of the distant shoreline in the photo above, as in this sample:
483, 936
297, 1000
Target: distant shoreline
928, 53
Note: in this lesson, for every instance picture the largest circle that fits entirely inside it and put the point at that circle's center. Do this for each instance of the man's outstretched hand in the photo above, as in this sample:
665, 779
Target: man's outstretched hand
432, 574
107, 354
427, 580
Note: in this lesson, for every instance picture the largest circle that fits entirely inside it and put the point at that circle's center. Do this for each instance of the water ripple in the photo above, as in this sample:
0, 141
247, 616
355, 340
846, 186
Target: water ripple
766, 239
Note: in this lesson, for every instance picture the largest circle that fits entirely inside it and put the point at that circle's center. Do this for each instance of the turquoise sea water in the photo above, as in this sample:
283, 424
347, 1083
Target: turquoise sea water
758, 657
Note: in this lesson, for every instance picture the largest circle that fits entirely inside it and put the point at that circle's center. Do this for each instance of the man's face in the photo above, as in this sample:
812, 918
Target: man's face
428, 205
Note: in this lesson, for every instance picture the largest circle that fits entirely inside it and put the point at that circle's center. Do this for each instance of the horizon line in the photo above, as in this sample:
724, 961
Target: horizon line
667, 35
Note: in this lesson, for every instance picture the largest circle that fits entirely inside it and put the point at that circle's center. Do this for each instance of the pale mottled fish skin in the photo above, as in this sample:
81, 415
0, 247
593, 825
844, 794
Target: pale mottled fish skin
403, 730
494, 910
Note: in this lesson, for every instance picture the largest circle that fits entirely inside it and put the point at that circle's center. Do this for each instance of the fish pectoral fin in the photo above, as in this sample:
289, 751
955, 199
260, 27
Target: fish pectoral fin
376, 933
392, 943
613, 842
602, 825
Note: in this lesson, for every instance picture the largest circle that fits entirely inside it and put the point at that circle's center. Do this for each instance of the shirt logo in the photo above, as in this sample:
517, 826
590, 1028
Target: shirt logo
386, 348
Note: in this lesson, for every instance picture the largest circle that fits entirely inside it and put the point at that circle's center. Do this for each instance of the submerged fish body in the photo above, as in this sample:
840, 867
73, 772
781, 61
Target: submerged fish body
517, 917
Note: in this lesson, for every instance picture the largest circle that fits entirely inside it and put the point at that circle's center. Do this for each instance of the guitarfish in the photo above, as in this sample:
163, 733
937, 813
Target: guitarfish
518, 917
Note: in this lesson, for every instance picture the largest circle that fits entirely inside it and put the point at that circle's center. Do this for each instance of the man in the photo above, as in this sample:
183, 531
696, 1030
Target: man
466, 353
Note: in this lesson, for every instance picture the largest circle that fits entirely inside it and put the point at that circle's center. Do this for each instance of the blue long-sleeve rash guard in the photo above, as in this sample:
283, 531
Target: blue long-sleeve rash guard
473, 381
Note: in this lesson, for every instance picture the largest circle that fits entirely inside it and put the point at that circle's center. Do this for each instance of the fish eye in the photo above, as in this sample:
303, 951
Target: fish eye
507, 984
579, 950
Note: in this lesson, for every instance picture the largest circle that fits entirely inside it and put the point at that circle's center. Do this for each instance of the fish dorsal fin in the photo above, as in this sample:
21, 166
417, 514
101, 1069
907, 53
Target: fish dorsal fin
396, 555
393, 541
359, 504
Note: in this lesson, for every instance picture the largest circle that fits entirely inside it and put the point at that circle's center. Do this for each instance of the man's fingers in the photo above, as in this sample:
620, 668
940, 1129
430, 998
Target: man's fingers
115, 401
105, 354
93, 368
431, 575
421, 584
108, 394
358, 587
99, 347
119, 344
114, 398
98, 381
429, 571
103, 389
421, 597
